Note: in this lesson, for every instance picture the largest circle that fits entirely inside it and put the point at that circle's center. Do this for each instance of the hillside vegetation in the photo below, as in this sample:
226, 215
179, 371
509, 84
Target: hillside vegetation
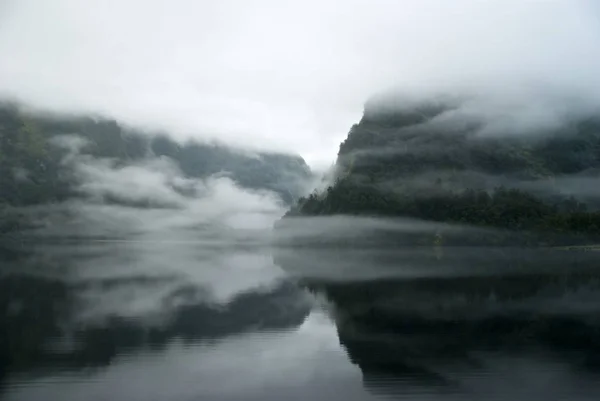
429, 161
33, 148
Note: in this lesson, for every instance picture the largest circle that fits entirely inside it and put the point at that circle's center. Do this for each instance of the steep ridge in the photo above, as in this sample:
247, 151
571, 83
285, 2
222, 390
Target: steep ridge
443, 160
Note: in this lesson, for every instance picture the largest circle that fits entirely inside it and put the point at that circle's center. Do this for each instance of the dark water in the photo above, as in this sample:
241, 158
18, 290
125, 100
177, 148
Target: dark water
160, 320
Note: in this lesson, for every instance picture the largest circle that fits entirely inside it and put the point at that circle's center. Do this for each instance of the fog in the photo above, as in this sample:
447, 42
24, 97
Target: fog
152, 196
141, 241
148, 273
286, 76
583, 186
531, 109
264, 75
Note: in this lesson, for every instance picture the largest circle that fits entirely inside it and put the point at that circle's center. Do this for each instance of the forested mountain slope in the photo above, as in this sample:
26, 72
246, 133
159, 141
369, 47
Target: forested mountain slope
433, 160
32, 172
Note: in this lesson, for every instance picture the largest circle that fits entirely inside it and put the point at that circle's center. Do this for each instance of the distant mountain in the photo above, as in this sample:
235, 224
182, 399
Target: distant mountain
32, 169
282, 173
433, 161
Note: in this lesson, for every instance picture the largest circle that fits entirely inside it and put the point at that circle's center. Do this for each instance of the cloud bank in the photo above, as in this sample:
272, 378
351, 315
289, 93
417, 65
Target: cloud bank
289, 76
152, 200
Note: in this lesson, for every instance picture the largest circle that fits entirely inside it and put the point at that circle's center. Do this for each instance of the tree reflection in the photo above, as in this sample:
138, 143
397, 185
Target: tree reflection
408, 318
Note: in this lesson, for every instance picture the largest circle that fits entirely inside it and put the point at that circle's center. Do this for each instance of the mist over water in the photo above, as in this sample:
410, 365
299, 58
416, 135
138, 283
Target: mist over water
146, 306
149, 284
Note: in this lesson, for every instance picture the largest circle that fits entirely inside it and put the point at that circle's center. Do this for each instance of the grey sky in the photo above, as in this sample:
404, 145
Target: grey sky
283, 75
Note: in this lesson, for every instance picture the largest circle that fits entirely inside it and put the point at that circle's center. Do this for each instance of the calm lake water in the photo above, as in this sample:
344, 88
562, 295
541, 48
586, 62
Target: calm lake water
168, 320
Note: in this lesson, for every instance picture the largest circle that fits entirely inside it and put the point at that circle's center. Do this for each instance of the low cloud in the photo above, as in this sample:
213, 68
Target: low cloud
291, 77
153, 196
149, 240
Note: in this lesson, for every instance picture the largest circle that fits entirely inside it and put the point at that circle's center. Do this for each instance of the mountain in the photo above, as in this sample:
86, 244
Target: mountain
439, 161
33, 169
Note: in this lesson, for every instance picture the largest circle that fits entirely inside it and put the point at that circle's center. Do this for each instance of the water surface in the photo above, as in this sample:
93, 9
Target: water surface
178, 320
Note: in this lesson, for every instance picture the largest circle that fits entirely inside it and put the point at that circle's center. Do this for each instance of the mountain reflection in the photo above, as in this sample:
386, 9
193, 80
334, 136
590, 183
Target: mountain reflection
79, 319
412, 319
77, 306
